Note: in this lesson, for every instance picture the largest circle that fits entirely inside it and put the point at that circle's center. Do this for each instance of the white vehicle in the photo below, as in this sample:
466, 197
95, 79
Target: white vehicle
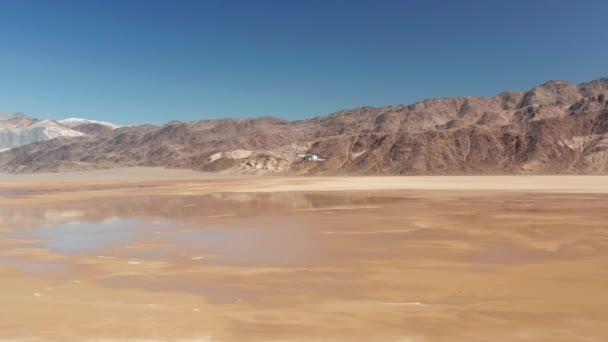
306, 156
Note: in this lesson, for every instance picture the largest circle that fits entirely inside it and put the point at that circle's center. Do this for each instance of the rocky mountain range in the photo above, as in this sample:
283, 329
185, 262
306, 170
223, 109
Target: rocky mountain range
556, 127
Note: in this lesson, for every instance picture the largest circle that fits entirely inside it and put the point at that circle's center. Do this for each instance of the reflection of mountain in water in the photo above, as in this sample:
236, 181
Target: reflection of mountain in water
181, 207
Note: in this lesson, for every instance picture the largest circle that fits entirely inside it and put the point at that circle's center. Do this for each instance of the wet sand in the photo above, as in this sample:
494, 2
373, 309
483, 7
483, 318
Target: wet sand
302, 259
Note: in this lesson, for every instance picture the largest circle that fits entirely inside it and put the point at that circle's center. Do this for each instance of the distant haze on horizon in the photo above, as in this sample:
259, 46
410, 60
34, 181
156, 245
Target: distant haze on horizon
136, 61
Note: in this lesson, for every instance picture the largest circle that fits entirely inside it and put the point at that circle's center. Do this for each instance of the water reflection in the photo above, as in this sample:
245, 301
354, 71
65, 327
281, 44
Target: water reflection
76, 237
331, 260
231, 228
180, 207
277, 229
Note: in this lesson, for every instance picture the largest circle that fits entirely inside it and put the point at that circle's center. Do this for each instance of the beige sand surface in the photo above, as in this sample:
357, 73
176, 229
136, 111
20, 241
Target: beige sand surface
299, 259
558, 183
122, 174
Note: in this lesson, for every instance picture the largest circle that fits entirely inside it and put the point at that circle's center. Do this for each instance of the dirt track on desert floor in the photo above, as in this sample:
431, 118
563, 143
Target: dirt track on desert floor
156, 256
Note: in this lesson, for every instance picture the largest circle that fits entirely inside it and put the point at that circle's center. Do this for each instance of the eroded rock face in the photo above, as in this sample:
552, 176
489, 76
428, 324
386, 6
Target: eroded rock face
554, 128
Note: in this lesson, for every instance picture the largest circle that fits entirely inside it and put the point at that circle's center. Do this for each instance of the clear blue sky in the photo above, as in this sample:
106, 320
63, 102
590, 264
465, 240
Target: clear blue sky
146, 61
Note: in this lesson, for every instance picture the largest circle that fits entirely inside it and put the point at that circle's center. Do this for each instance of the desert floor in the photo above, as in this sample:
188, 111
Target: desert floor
165, 255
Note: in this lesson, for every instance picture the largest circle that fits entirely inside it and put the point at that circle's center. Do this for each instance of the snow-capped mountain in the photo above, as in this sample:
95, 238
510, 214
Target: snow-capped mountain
18, 129
18, 133
73, 122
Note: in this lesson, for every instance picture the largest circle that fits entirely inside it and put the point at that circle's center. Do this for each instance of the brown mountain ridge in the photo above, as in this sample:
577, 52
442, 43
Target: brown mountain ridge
556, 127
